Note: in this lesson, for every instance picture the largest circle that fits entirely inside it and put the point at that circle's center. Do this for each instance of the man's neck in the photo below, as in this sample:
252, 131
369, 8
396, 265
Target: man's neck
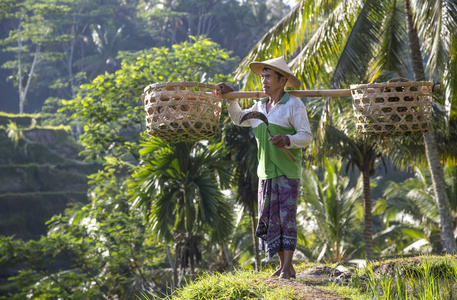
275, 97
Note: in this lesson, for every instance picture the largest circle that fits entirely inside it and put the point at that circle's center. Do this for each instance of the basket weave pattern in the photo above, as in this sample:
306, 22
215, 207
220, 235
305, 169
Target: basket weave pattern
182, 111
399, 106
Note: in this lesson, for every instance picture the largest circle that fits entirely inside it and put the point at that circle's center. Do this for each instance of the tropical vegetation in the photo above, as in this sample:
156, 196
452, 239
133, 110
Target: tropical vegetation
162, 217
342, 41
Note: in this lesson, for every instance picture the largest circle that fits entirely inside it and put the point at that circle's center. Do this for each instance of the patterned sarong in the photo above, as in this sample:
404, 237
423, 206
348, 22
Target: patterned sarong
277, 226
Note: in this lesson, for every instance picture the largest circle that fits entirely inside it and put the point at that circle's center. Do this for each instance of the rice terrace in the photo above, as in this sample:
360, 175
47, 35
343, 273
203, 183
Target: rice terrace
228, 149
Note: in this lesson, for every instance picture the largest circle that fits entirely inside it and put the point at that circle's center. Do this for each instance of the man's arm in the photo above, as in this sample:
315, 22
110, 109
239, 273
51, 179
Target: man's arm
233, 108
300, 122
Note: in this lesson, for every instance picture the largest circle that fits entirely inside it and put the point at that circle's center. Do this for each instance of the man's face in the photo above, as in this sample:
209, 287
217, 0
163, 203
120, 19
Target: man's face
271, 82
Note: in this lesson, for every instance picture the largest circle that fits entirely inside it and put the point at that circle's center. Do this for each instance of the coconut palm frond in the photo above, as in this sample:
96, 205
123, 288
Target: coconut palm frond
391, 54
425, 203
400, 237
436, 22
281, 40
364, 35
449, 81
318, 57
332, 203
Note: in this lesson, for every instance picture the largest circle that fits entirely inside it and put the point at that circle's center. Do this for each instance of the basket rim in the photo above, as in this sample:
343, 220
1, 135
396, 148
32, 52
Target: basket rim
391, 84
181, 83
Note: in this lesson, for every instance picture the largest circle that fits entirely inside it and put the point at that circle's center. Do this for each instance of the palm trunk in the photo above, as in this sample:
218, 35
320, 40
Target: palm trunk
255, 240
173, 268
368, 234
227, 256
434, 164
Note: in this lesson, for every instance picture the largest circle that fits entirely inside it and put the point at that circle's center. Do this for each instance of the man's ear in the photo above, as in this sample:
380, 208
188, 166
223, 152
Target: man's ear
284, 80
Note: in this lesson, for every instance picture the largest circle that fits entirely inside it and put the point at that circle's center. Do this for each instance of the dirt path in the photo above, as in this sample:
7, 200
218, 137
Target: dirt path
303, 290
306, 282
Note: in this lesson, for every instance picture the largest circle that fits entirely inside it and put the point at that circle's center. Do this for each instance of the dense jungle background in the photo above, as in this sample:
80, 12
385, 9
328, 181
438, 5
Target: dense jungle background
91, 207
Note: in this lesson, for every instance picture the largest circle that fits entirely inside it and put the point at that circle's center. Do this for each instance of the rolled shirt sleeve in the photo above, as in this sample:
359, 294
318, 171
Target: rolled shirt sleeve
300, 122
236, 113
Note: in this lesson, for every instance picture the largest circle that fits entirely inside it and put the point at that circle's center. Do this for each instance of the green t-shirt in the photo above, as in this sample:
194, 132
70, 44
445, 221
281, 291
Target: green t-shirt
273, 162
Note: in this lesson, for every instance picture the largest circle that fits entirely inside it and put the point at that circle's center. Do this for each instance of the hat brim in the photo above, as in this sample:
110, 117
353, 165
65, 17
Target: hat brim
257, 68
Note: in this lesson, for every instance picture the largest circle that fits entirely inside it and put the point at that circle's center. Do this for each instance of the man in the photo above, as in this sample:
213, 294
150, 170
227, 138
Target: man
279, 176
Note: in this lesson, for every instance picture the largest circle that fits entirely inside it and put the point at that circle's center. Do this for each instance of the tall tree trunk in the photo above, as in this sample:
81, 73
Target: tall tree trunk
173, 268
368, 233
255, 240
227, 256
175, 271
434, 163
19, 68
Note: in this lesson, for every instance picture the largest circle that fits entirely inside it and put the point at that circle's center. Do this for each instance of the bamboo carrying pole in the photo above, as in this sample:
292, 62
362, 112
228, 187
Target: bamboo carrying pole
321, 93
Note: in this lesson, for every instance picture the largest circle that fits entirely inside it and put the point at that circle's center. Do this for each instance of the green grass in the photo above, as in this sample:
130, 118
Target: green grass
247, 284
426, 277
418, 278
239, 285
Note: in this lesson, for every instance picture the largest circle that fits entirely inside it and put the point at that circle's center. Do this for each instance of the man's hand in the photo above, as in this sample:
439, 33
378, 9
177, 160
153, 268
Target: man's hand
224, 88
280, 141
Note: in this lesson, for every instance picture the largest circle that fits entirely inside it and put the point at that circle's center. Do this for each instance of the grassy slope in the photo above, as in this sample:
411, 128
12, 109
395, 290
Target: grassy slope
421, 277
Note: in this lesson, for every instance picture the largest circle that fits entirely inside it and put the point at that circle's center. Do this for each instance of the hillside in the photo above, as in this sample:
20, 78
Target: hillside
40, 175
419, 277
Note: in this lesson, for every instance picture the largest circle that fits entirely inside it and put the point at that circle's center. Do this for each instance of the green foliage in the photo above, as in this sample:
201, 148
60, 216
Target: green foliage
236, 25
185, 179
333, 205
23, 120
410, 211
241, 144
32, 41
48, 144
7, 8
107, 249
107, 242
95, 251
72, 42
240, 285
25, 214
14, 133
110, 106
50, 116
43, 177
416, 278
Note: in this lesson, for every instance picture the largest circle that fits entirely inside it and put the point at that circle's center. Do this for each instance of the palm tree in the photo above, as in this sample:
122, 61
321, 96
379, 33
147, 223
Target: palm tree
412, 203
360, 153
178, 189
106, 41
360, 40
434, 162
333, 204
240, 142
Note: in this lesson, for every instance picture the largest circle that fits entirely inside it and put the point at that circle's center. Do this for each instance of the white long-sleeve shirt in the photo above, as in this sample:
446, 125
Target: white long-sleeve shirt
287, 117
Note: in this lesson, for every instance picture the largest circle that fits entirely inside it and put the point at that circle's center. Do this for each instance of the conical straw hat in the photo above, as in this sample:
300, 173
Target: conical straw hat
279, 65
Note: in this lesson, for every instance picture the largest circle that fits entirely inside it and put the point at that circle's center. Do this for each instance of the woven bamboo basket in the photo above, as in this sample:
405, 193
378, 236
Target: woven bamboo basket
400, 106
182, 111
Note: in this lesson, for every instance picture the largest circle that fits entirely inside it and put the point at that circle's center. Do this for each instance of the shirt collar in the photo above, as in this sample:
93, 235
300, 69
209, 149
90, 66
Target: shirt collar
283, 100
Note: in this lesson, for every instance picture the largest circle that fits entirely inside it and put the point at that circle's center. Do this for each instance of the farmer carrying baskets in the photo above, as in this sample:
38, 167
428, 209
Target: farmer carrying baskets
281, 127
190, 111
